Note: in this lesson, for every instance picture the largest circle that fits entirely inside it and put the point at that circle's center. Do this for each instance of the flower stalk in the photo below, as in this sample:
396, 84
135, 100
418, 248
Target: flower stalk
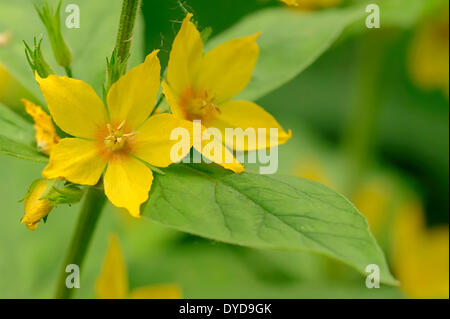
360, 137
90, 213
95, 199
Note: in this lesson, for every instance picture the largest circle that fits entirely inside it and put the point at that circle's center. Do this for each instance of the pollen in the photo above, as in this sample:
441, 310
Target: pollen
117, 140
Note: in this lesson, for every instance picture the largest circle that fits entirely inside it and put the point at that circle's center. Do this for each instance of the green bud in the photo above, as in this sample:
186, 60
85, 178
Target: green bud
115, 67
52, 21
68, 194
36, 59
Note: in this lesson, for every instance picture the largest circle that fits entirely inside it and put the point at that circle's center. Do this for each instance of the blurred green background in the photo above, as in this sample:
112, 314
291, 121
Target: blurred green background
406, 158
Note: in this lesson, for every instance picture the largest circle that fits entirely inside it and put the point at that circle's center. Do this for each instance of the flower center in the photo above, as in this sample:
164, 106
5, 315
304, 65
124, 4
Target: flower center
200, 105
116, 139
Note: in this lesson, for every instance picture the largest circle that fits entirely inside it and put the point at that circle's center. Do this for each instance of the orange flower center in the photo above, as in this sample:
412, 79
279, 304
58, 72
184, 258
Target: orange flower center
117, 140
199, 105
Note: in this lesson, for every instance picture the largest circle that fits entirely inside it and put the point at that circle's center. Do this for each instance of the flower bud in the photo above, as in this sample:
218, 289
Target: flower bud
36, 59
52, 22
35, 207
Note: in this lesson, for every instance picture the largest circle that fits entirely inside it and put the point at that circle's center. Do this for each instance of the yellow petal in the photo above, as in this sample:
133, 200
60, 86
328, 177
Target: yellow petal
153, 143
185, 57
46, 136
76, 160
172, 100
227, 69
157, 292
212, 148
127, 183
74, 105
35, 207
421, 256
244, 115
132, 98
113, 280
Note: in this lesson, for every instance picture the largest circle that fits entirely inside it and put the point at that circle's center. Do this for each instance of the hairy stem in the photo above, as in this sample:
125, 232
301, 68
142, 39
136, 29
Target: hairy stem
126, 27
117, 64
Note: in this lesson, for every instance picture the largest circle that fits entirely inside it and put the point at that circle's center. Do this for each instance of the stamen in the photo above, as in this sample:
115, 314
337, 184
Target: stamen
121, 125
116, 140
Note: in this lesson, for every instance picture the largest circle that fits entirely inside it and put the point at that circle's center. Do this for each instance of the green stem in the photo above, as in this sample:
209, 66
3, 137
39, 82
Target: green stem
90, 213
126, 27
360, 137
117, 64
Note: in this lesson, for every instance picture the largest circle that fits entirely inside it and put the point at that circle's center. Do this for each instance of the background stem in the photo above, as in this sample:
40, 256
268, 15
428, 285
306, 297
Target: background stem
360, 137
89, 215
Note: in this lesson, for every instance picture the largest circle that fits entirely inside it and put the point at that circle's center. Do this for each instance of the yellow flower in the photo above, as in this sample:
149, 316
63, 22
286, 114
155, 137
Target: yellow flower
120, 140
312, 4
46, 136
113, 280
200, 87
428, 58
420, 256
35, 207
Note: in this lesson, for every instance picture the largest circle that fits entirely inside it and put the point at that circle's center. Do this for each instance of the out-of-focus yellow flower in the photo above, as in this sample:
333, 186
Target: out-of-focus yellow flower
374, 201
429, 54
200, 87
113, 280
5, 79
36, 208
312, 4
420, 256
11, 91
120, 140
5, 38
46, 136
313, 169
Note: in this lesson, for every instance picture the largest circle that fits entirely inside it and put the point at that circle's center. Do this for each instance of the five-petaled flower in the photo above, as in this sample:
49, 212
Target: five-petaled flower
200, 87
121, 138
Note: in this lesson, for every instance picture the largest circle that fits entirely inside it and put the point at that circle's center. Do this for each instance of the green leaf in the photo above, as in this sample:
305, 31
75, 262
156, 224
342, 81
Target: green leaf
290, 41
264, 211
15, 127
17, 136
90, 44
16, 149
